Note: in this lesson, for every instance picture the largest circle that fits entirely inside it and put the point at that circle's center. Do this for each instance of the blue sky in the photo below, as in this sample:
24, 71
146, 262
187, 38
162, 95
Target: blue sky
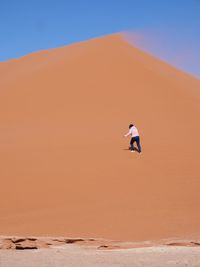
170, 28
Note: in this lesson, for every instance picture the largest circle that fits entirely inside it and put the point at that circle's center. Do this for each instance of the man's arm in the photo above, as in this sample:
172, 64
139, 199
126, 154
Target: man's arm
129, 133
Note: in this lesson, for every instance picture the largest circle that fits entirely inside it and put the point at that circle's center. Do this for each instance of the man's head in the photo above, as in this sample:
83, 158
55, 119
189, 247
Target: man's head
130, 126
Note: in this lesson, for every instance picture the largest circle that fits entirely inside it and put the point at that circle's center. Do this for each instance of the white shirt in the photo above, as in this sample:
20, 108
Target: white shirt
133, 132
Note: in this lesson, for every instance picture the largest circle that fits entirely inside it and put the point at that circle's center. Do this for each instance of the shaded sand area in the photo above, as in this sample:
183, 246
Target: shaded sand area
65, 167
88, 253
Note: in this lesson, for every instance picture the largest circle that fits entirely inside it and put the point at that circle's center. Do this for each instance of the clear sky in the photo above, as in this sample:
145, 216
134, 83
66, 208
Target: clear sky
170, 28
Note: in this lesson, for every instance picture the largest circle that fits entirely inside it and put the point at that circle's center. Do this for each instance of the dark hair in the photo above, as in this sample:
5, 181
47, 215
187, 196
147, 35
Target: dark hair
131, 125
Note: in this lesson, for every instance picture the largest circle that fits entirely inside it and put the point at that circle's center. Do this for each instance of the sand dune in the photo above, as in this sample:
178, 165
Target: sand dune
65, 168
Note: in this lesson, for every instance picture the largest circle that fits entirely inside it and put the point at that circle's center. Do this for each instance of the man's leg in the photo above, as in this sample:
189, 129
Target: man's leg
138, 144
132, 143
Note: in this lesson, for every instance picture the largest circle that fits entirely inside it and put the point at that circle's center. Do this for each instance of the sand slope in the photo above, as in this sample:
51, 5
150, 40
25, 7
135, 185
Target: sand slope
65, 168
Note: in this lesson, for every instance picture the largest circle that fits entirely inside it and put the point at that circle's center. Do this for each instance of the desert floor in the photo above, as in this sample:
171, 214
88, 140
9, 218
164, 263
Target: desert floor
75, 256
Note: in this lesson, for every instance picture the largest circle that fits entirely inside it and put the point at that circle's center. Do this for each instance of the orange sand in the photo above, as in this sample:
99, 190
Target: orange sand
65, 168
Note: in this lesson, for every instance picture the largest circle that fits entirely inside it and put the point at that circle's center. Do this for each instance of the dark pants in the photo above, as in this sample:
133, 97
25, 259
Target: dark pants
137, 140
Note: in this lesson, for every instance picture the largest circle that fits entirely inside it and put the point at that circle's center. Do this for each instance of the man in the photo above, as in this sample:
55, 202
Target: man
133, 132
